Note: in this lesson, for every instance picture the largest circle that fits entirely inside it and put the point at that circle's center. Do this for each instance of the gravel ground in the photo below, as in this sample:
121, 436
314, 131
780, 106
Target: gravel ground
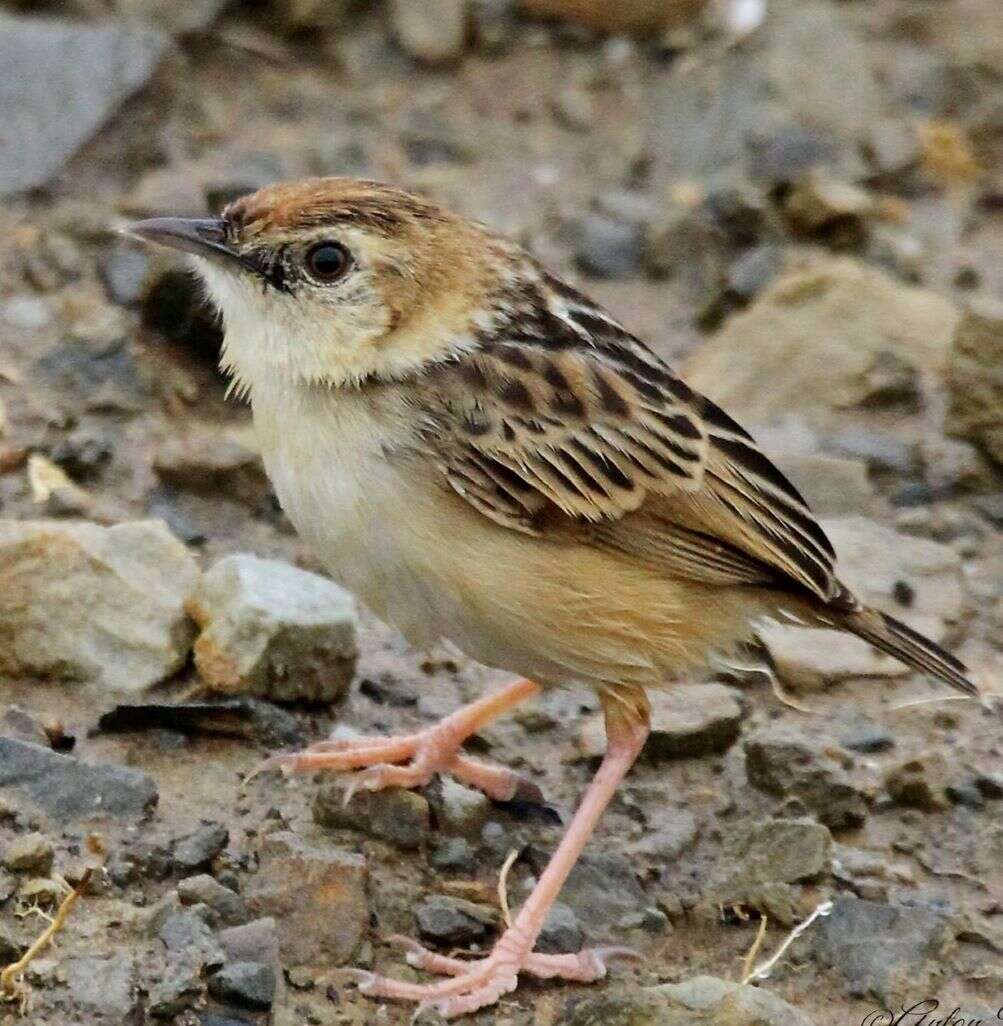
806, 221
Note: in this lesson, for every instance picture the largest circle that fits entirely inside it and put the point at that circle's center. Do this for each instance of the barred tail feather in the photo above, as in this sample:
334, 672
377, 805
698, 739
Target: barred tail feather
895, 638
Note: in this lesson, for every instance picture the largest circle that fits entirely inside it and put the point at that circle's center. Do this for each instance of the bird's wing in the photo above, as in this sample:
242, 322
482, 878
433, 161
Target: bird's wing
564, 420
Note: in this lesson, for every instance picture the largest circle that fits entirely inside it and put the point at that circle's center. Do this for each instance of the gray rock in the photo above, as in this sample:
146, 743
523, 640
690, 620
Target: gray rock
22, 726
609, 248
228, 906
317, 897
868, 874
760, 863
102, 987
824, 335
868, 739
453, 855
395, 815
787, 763
975, 379
185, 933
125, 627
882, 950
68, 790
247, 984
431, 31
602, 890
125, 272
919, 781
208, 460
817, 202
273, 630
453, 921
29, 853
687, 720
562, 932
459, 809
200, 847
29, 313
178, 988
703, 1001
60, 81
256, 941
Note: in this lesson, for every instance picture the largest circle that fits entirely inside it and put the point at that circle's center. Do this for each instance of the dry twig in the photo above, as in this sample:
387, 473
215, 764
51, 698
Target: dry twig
763, 971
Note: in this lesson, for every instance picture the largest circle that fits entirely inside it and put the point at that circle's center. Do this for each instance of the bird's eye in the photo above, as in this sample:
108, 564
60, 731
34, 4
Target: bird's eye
327, 261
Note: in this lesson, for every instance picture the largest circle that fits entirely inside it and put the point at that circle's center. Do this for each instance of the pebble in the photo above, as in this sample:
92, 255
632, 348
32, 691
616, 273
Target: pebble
787, 763
431, 31
919, 781
228, 906
274, 630
562, 932
317, 897
881, 950
608, 248
29, 313
186, 933
397, 816
124, 272
29, 853
247, 984
68, 790
459, 809
454, 921
453, 855
210, 461
200, 847
47, 60
990, 785
868, 740
131, 632
102, 988
179, 987
256, 941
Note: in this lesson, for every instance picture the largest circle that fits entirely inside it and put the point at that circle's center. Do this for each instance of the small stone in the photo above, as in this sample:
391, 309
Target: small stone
179, 988
200, 847
256, 941
990, 785
68, 790
185, 933
132, 631
919, 782
882, 950
247, 984
574, 108
42, 891
966, 793
431, 31
210, 461
975, 378
84, 453
394, 815
29, 313
602, 890
61, 81
453, 855
461, 810
818, 203
29, 853
204, 889
125, 272
868, 740
608, 248
274, 630
20, 725
561, 933
453, 921
102, 988
691, 720
317, 897
787, 763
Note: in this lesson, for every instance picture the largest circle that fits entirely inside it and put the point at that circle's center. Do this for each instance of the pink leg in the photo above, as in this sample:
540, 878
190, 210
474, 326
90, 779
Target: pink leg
477, 984
430, 751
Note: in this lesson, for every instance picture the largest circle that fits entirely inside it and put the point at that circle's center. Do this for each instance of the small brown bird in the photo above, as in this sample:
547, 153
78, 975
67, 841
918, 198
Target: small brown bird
483, 454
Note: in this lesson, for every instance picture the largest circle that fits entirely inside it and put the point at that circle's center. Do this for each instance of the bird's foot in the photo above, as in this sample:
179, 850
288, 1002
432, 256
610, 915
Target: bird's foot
477, 984
423, 754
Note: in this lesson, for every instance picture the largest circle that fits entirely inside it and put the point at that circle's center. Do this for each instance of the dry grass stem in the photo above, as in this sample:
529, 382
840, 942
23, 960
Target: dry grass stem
763, 971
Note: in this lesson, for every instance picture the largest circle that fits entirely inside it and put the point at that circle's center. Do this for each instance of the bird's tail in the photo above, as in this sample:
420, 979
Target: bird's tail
895, 638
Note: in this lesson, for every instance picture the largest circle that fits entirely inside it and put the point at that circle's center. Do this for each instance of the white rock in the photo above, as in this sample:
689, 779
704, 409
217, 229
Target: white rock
271, 629
104, 605
431, 31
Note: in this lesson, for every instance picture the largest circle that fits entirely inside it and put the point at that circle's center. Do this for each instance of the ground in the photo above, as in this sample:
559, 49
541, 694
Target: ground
712, 193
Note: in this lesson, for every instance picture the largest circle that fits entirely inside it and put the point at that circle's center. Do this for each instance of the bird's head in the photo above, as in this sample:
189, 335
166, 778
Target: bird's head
335, 281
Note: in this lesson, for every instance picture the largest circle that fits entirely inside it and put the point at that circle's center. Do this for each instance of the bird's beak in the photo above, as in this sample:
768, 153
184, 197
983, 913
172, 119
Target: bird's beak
203, 236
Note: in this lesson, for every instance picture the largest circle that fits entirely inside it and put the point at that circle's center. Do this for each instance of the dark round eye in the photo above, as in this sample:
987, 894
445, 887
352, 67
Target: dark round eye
327, 261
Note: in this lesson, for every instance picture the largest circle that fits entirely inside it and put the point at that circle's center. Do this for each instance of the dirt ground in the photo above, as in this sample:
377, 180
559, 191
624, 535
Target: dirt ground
657, 173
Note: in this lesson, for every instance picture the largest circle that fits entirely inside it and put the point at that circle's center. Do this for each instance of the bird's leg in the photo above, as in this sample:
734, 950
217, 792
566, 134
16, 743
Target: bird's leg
425, 753
476, 984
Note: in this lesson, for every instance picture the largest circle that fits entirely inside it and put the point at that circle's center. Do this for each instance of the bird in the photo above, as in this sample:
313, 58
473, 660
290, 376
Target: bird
485, 456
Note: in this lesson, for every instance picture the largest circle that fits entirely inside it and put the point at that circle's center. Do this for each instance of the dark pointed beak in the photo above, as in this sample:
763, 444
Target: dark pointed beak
203, 236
